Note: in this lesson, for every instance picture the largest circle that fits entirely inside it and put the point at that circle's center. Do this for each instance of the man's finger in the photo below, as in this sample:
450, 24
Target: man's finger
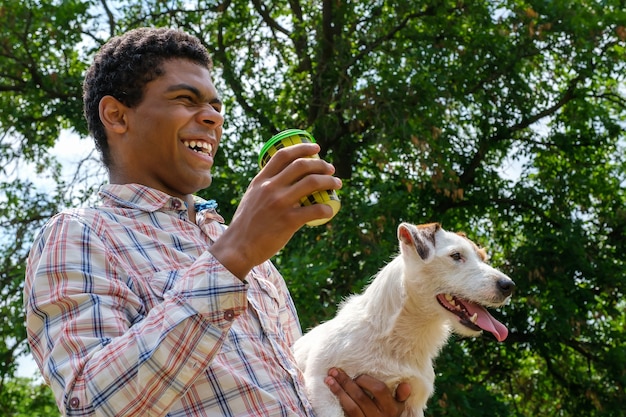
382, 396
403, 391
349, 394
286, 156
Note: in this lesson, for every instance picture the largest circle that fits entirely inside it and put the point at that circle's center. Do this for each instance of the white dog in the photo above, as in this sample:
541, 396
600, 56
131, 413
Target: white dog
396, 327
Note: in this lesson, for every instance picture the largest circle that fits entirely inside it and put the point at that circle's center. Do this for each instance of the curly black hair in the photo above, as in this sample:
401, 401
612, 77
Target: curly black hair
125, 64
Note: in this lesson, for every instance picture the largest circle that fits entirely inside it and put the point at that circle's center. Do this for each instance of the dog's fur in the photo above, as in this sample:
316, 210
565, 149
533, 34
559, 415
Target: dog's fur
396, 327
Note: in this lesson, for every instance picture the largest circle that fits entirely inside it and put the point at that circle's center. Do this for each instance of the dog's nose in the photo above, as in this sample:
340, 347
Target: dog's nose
506, 286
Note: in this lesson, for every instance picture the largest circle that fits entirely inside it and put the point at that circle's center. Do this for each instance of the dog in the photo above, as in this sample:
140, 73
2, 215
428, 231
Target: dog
439, 283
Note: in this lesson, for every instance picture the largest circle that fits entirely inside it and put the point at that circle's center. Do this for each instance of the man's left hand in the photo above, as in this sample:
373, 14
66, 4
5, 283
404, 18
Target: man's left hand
366, 396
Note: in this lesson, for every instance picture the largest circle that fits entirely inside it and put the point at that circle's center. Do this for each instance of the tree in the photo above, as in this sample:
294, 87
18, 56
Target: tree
39, 95
422, 107
24, 397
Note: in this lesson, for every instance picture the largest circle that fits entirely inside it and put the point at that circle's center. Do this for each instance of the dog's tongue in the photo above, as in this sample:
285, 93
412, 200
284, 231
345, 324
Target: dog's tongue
486, 321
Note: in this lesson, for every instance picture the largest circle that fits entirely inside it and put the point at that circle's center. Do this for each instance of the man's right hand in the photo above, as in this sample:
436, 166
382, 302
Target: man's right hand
270, 213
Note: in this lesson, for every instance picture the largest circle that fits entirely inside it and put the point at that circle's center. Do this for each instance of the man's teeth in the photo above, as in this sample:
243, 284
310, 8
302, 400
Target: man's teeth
199, 146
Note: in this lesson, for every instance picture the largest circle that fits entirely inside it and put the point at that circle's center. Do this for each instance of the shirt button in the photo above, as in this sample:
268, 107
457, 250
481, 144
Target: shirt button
229, 315
74, 402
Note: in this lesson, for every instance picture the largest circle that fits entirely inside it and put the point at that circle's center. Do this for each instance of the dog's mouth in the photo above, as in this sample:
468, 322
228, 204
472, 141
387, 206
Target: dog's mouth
473, 316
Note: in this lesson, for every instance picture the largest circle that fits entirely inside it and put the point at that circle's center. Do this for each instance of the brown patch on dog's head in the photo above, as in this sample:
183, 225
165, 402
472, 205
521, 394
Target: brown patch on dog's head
481, 252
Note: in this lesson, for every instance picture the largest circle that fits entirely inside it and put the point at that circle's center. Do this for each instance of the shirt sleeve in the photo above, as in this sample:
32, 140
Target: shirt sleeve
98, 348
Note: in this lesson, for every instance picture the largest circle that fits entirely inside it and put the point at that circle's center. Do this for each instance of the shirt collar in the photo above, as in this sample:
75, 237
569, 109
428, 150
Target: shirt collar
137, 196
141, 197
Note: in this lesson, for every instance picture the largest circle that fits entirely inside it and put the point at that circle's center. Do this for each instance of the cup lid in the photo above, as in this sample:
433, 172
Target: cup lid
280, 136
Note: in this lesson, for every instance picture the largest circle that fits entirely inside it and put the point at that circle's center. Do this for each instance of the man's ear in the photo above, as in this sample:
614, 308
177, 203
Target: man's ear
113, 114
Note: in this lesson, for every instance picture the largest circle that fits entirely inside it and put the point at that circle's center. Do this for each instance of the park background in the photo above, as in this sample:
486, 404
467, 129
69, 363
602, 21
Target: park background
503, 119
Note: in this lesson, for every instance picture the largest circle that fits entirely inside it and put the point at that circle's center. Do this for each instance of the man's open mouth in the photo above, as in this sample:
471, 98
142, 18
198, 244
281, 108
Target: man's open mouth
199, 146
473, 316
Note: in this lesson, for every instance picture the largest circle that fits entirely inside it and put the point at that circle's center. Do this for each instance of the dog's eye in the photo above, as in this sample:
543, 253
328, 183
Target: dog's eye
456, 256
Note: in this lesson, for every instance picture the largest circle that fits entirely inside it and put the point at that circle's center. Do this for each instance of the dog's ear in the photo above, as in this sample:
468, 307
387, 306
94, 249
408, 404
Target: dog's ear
421, 237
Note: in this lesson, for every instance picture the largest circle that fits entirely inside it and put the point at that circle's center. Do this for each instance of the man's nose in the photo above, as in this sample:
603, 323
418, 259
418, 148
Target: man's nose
210, 116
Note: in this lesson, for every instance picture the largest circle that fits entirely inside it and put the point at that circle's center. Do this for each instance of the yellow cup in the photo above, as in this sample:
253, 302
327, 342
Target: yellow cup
292, 137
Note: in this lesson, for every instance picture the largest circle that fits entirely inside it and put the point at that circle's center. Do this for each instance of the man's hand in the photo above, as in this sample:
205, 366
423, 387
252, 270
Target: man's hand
366, 396
270, 212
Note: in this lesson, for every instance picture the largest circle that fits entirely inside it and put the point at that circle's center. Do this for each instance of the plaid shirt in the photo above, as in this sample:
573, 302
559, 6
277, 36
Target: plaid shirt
128, 314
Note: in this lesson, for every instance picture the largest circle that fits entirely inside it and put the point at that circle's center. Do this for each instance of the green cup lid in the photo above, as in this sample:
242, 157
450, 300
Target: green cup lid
282, 135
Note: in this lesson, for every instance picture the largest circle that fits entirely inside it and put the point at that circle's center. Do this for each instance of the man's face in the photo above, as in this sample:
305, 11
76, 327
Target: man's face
173, 134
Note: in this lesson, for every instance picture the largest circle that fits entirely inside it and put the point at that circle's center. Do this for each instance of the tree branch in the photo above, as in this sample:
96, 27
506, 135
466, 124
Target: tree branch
110, 17
234, 81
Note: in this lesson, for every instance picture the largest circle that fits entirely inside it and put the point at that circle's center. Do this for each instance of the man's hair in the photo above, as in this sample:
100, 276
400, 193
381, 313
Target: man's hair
125, 64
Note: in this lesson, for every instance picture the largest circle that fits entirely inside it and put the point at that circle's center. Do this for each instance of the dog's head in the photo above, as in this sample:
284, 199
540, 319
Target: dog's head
457, 276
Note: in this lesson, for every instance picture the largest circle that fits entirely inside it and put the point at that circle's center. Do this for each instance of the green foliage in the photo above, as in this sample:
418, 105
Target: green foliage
41, 73
424, 108
24, 397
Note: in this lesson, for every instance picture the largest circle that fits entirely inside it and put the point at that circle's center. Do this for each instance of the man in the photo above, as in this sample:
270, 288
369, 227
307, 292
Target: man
147, 304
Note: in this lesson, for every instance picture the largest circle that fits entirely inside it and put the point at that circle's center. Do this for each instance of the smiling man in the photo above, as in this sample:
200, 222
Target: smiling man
168, 140
147, 304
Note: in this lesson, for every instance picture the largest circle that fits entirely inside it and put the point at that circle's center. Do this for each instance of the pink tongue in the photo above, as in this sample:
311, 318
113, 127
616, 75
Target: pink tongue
486, 321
